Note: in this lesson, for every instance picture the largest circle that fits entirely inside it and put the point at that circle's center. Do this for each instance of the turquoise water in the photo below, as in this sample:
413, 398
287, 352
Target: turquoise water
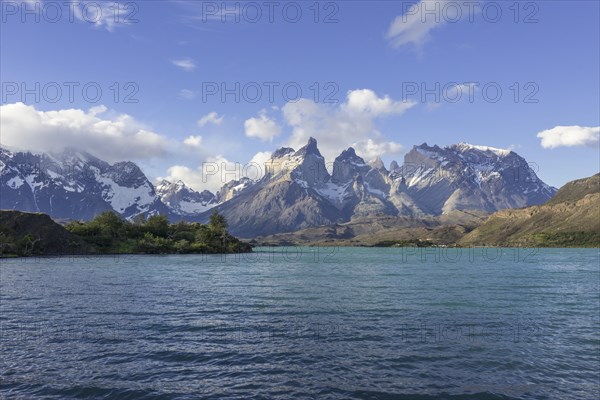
320, 323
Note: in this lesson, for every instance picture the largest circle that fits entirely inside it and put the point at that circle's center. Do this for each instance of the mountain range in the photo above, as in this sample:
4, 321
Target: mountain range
296, 191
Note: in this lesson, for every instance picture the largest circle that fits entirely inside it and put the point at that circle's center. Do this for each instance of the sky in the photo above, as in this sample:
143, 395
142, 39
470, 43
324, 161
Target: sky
174, 85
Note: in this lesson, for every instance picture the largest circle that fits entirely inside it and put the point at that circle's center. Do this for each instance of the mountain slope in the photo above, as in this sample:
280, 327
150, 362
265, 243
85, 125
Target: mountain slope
183, 200
74, 185
26, 234
571, 218
285, 199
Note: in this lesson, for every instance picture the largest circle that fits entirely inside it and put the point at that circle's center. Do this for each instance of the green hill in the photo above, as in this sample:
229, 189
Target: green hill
570, 219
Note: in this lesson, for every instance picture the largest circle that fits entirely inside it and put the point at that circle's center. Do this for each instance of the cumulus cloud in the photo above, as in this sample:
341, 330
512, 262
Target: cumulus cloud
194, 142
112, 138
569, 136
185, 64
353, 121
210, 118
414, 26
369, 149
216, 171
211, 175
262, 127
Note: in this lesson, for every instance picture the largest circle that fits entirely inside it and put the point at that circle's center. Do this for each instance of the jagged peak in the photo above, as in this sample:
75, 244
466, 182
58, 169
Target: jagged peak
282, 151
377, 163
462, 146
207, 192
347, 154
425, 146
310, 148
165, 184
394, 165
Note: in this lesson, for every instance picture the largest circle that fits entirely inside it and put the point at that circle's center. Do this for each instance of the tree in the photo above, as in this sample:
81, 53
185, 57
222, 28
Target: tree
158, 225
218, 223
109, 223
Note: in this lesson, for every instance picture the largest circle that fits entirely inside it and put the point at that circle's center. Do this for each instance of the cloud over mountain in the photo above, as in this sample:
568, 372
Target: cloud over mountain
108, 135
353, 121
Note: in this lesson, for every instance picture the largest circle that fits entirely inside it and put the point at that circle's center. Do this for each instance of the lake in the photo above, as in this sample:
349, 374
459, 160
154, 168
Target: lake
322, 323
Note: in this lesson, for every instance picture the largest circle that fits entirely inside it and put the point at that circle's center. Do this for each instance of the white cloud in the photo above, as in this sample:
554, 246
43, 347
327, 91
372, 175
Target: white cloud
193, 142
185, 64
211, 175
351, 122
212, 118
366, 102
112, 138
187, 94
216, 171
262, 127
569, 136
256, 167
415, 25
368, 149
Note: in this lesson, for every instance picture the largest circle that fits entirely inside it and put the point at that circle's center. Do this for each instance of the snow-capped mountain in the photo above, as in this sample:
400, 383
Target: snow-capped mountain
468, 177
74, 185
297, 191
232, 189
182, 200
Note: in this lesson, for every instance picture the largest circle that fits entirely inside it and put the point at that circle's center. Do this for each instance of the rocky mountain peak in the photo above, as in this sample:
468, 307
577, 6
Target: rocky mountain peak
282, 151
466, 147
347, 165
348, 154
308, 166
378, 164
309, 149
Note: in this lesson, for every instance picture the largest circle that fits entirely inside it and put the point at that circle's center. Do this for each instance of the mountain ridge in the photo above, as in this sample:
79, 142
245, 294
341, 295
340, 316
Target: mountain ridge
432, 181
295, 192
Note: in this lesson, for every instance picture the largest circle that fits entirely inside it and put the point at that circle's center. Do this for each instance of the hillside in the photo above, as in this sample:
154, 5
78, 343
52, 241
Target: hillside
576, 190
27, 234
570, 219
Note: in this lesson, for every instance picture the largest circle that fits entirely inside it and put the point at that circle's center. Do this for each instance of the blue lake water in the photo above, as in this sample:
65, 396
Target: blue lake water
320, 323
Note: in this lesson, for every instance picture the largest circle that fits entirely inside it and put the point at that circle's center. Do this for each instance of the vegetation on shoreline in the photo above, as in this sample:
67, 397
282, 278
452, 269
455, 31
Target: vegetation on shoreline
110, 234
28, 234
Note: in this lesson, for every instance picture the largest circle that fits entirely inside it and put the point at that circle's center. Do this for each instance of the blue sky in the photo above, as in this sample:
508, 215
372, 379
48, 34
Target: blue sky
369, 58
